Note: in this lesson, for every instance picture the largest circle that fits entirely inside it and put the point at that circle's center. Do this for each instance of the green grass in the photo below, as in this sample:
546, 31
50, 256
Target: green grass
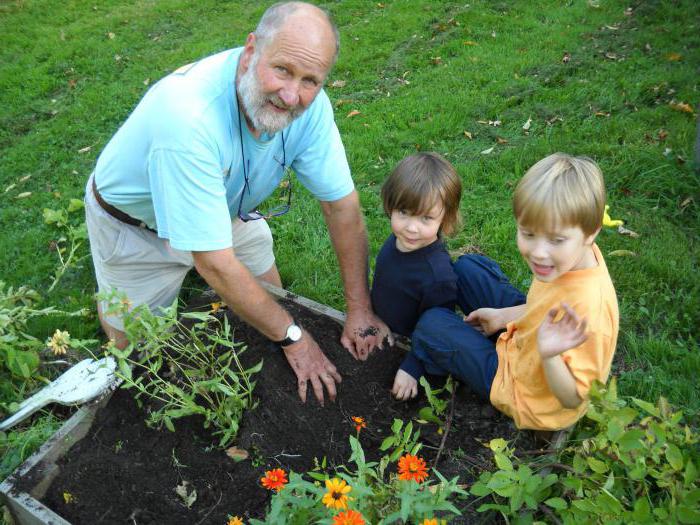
421, 73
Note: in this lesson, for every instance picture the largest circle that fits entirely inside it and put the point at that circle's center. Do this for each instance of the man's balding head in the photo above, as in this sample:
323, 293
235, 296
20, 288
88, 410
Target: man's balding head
297, 16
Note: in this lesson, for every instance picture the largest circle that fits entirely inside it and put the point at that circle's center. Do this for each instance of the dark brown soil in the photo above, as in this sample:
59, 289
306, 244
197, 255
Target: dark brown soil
125, 472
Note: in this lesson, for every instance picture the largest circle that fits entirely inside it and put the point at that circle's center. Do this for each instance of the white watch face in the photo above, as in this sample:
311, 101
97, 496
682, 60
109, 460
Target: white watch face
294, 332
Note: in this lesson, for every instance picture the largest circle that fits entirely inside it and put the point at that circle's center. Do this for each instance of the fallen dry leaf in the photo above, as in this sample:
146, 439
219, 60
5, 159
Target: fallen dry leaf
85, 149
628, 11
470, 43
338, 83
674, 57
611, 56
468, 135
488, 151
26, 177
526, 126
613, 28
188, 498
11, 186
72, 83
663, 134
501, 140
494, 123
624, 231
436, 61
601, 114
566, 58
111, 35
147, 81
237, 454
23, 195
622, 253
682, 106
117, 58
353, 113
686, 202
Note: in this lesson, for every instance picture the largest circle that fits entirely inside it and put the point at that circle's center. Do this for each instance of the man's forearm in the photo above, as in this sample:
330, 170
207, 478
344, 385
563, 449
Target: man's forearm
349, 237
241, 291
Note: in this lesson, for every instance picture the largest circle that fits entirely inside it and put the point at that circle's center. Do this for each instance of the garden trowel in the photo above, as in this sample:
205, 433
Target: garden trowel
79, 384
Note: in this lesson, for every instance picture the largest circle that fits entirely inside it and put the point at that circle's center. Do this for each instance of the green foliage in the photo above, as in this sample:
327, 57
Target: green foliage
403, 439
73, 235
381, 498
437, 406
186, 367
632, 462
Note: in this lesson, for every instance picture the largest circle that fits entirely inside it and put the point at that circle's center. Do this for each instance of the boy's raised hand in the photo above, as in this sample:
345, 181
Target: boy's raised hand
554, 338
488, 321
405, 386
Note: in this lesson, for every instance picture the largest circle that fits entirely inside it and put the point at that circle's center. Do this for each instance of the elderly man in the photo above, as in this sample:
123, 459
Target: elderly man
178, 186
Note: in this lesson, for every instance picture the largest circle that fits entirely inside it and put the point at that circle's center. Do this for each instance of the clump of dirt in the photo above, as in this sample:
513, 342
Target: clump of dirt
125, 472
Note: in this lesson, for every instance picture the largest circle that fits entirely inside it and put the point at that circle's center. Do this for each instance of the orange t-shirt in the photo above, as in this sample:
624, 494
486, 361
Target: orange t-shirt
520, 389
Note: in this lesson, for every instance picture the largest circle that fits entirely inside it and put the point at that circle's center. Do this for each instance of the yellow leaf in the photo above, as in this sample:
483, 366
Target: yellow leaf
353, 113
470, 43
23, 195
674, 57
468, 134
487, 151
501, 140
68, 497
527, 125
338, 83
622, 253
682, 106
85, 149
111, 35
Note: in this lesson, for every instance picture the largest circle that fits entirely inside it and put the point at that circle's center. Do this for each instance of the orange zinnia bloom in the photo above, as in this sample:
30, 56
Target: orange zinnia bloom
235, 521
432, 521
274, 479
359, 423
412, 467
349, 517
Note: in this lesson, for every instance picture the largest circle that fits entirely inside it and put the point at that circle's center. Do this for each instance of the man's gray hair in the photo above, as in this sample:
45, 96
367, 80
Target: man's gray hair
275, 17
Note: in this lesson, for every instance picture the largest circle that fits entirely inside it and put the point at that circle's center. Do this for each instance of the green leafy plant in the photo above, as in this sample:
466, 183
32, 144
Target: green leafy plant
632, 462
403, 439
19, 350
379, 497
73, 235
189, 365
437, 408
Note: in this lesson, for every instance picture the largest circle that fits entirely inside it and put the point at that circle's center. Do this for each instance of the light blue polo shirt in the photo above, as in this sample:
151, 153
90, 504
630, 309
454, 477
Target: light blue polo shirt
176, 162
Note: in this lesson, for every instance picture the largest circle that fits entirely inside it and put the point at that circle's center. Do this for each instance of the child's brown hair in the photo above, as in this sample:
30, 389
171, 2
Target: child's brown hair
421, 181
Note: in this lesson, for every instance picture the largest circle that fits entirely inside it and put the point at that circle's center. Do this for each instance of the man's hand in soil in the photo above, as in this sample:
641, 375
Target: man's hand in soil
310, 364
363, 332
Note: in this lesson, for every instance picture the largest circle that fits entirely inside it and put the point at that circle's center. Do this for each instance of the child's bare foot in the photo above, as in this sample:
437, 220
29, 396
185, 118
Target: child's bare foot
405, 386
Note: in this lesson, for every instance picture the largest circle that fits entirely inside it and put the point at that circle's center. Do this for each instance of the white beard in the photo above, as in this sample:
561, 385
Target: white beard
263, 118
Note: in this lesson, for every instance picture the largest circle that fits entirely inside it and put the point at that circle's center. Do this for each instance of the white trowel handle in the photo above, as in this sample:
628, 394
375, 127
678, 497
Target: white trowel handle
27, 410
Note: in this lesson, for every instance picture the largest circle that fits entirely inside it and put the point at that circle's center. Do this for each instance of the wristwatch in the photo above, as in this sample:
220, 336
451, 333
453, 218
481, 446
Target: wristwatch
292, 335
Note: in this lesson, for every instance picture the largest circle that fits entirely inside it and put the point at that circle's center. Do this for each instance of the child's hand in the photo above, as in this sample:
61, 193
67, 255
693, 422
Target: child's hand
567, 333
405, 386
486, 320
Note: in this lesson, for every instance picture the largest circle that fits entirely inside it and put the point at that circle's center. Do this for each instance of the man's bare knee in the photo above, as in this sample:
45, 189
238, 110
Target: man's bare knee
272, 276
116, 335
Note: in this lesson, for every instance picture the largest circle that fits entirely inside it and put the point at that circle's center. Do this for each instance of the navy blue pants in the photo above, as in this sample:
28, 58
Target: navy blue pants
445, 344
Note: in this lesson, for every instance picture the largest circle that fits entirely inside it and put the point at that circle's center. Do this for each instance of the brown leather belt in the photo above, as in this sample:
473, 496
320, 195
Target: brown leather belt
117, 213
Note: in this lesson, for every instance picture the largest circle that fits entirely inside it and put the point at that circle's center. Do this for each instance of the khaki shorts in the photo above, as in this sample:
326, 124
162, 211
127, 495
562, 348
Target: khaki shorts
146, 268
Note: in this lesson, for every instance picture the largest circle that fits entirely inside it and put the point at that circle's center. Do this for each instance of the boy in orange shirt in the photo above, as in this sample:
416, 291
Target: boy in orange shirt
557, 341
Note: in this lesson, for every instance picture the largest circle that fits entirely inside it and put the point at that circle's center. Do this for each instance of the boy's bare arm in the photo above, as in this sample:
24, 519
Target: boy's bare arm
488, 321
553, 339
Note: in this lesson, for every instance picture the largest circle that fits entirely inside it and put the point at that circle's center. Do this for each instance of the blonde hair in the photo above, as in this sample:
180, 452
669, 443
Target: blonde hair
561, 189
421, 181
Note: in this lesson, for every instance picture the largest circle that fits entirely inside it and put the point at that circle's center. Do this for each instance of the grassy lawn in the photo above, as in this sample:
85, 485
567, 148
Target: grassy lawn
617, 81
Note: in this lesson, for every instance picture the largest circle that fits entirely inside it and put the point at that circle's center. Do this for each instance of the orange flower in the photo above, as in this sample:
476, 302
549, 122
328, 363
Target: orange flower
274, 479
432, 521
359, 423
337, 495
235, 521
349, 517
412, 467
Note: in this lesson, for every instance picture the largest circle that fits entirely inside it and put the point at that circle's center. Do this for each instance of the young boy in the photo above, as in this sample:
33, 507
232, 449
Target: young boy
559, 340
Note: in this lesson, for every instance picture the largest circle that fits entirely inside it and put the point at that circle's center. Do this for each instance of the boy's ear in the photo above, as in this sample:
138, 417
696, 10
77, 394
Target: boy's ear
591, 238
